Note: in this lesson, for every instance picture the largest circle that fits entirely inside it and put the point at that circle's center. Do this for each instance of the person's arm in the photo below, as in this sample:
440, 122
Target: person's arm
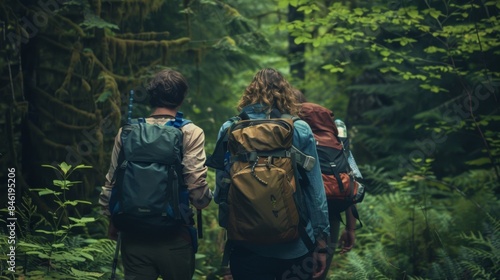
219, 174
108, 185
314, 196
195, 171
348, 236
314, 193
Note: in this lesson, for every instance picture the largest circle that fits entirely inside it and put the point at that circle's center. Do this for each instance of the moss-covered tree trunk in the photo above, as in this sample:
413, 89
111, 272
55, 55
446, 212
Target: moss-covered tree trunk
79, 62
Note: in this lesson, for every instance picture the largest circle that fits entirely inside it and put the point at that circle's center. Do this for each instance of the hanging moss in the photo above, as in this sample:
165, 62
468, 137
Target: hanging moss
144, 36
76, 75
136, 51
63, 105
75, 58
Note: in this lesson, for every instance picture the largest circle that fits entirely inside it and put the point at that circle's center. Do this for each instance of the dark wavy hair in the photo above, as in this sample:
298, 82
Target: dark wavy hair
167, 89
270, 88
299, 95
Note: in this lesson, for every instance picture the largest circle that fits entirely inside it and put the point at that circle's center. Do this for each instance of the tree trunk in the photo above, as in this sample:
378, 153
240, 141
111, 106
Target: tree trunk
296, 51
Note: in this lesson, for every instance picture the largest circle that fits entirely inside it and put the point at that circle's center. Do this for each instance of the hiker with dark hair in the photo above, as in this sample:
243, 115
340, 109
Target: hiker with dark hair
157, 171
276, 228
321, 121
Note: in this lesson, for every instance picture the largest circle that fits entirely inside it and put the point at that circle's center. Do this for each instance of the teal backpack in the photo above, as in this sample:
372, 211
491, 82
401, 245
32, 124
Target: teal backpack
149, 194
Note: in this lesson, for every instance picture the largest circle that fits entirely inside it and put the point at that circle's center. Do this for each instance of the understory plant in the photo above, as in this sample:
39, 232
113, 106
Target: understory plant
422, 228
57, 244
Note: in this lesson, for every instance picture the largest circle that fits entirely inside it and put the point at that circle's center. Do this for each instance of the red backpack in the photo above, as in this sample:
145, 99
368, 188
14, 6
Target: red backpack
338, 178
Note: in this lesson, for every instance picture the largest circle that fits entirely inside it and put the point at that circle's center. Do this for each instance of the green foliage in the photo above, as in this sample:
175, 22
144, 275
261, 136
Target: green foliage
59, 246
93, 21
386, 57
423, 228
481, 254
61, 222
415, 81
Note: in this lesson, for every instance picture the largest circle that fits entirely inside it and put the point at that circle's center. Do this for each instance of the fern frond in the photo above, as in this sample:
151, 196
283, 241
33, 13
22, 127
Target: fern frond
477, 271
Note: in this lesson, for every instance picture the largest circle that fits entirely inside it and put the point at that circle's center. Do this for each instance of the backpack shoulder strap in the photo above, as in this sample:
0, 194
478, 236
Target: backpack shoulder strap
136, 121
288, 116
216, 160
302, 160
179, 121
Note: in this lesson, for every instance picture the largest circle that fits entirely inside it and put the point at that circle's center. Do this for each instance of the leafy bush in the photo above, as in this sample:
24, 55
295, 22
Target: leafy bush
51, 247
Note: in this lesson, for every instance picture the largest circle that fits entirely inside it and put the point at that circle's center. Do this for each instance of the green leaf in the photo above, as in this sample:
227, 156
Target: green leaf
413, 13
435, 13
55, 233
306, 9
82, 166
196, 109
385, 53
82, 220
76, 202
86, 274
405, 41
104, 96
65, 184
45, 191
43, 255
70, 202
64, 167
58, 245
299, 40
479, 161
86, 255
433, 49
30, 245
60, 183
358, 11
50, 166
333, 69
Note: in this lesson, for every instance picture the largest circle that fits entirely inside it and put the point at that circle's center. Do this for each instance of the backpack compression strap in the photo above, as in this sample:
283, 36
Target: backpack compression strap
301, 159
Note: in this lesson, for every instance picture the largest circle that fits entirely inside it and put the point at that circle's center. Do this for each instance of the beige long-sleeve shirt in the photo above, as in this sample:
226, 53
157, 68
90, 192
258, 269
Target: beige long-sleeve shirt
194, 171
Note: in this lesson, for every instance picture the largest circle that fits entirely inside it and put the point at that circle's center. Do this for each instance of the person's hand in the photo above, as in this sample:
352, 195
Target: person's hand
226, 274
112, 231
347, 241
320, 260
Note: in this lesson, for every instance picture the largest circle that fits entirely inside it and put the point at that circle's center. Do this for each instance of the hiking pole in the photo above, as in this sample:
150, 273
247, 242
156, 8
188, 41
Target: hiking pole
115, 260
199, 223
130, 106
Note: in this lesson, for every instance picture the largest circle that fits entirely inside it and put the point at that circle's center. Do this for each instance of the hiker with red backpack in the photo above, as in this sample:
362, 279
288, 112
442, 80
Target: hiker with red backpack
156, 173
276, 227
339, 172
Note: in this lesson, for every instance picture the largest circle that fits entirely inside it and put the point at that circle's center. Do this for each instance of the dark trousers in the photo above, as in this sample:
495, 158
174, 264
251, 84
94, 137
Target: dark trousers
146, 258
247, 265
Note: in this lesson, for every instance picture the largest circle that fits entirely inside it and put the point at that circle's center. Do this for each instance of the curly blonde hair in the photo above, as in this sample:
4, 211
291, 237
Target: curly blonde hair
270, 88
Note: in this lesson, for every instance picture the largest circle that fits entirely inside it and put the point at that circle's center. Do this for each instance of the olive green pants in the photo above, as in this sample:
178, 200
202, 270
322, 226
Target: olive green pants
147, 258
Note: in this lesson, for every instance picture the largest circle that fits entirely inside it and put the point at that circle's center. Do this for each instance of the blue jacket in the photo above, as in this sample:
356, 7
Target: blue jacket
313, 195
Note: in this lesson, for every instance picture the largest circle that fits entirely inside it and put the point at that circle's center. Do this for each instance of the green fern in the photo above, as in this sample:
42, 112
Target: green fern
481, 254
50, 249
